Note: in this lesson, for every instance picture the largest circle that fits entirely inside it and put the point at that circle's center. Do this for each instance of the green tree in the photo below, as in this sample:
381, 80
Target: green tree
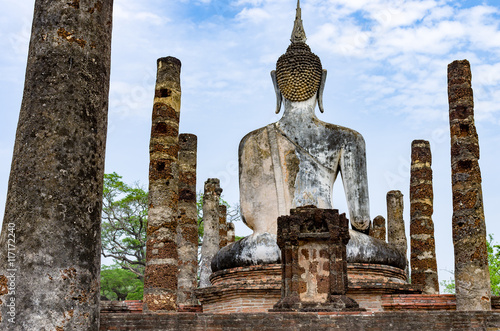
123, 236
494, 267
124, 221
120, 284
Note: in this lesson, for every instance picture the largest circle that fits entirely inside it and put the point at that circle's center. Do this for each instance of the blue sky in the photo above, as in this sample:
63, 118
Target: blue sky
386, 62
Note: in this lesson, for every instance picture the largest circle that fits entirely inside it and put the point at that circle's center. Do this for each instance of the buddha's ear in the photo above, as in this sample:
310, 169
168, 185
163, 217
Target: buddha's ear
277, 91
320, 91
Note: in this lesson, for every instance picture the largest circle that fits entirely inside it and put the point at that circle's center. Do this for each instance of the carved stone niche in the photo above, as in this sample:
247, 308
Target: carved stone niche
314, 265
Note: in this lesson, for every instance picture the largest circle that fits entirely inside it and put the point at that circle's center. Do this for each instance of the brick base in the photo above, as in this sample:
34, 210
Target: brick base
381, 321
257, 288
408, 302
246, 289
127, 306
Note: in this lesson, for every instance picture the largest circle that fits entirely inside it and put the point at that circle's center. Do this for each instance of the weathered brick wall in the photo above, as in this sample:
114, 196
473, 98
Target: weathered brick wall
426, 302
127, 306
245, 289
430, 320
419, 302
372, 302
264, 301
257, 302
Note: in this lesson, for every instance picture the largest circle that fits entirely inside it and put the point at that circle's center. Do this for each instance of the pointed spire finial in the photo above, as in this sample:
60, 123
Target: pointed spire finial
298, 33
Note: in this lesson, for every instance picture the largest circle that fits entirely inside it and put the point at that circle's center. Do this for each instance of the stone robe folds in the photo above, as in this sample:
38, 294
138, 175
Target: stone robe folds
293, 163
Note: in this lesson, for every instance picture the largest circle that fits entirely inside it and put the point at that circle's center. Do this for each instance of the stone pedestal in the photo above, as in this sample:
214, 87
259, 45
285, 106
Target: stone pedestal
256, 289
250, 289
314, 263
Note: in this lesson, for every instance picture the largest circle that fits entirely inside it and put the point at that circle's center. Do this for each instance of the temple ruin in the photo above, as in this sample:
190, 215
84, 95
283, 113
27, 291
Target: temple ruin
306, 266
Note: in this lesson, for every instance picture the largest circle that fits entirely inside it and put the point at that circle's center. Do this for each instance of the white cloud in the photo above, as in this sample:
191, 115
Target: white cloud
253, 15
253, 3
402, 14
129, 11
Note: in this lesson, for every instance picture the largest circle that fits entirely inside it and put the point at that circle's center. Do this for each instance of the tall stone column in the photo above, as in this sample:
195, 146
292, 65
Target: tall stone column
50, 240
230, 233
222, 226
187, 228
160, 276
210, 246
378, 230
472, 278
423, 246
395, 223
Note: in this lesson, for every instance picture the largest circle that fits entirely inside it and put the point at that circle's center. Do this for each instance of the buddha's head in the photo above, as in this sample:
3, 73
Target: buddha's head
298, 75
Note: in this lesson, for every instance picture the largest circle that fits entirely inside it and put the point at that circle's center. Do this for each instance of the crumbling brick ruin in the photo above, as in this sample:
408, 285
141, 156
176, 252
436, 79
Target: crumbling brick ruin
327, 275
303, 283
314, 264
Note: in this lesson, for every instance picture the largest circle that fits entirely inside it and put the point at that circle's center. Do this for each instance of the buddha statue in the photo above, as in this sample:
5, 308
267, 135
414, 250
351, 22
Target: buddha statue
299, 157
295, 161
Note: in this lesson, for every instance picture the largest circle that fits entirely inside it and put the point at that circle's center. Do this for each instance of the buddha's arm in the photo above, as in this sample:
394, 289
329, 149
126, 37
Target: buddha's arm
258, 201
355, 180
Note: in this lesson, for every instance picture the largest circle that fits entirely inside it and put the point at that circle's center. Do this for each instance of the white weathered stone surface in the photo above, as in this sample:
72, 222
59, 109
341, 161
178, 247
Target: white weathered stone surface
294, 162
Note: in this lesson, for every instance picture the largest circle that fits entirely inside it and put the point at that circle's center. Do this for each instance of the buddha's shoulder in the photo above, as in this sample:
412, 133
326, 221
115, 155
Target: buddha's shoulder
345, 133
256, 136
253, 139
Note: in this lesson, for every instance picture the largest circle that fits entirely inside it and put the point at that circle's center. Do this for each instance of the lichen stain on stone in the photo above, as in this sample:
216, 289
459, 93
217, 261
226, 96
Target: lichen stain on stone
3, 285
4, 289
66, 319
69, 37
292, 166
97, 6
75, 4
69, 273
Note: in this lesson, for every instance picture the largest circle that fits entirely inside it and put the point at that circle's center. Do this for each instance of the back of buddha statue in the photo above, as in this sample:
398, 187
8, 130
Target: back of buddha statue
295, 161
